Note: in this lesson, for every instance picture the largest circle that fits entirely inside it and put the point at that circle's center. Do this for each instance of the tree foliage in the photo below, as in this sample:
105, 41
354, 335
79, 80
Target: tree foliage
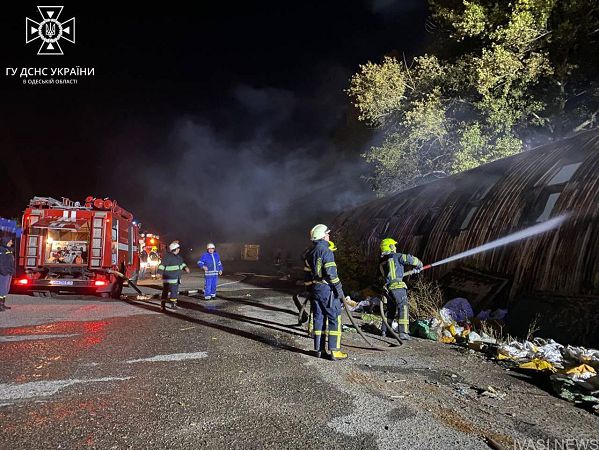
500, 76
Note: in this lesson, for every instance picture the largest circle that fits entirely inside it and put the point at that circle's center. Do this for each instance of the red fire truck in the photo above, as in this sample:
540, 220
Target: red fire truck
74, 248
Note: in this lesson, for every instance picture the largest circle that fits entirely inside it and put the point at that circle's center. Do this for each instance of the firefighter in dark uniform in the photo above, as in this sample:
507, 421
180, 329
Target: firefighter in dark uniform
7, 270
171, 268
391, 266
326, 292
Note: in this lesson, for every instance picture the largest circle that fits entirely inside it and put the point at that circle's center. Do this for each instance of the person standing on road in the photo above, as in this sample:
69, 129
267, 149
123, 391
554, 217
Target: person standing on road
154, 261
143, 264
7, 270
171, 268
326, 293
391, 266
212, 267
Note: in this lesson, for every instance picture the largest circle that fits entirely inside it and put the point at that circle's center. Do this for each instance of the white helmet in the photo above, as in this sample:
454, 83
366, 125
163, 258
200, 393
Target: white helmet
210, 245
318, 232
173, 246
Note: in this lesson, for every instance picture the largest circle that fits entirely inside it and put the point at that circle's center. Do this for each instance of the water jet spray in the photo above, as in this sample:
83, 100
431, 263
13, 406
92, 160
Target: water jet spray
517, 236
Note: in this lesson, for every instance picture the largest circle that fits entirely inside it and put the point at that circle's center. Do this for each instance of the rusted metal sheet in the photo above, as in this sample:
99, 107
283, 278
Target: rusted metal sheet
457, 213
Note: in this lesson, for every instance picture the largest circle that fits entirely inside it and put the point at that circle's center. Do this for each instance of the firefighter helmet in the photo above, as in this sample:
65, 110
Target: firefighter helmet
386, 245
173, 246
210, 245
318, 232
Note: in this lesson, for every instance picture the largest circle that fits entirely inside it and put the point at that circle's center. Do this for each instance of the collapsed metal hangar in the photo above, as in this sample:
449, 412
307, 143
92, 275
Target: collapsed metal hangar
554, 275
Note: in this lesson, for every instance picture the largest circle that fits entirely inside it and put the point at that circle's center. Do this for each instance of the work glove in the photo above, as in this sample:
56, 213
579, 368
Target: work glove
220, 272
416, 270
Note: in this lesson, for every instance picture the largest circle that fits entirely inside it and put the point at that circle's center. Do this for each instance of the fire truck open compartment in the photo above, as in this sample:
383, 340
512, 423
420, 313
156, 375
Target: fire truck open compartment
70, 248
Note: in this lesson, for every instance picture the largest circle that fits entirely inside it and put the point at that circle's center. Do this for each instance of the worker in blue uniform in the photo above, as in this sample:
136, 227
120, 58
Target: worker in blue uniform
391, 266
171, 268
326, 292
213, 267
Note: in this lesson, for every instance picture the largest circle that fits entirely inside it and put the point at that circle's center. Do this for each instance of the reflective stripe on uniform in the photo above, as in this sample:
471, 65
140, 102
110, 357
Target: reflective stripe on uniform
330, 264
161, 267
335, 280
170, 281
392, 272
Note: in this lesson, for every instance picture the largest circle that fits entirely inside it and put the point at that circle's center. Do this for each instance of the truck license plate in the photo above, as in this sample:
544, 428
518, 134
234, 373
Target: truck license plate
61, 282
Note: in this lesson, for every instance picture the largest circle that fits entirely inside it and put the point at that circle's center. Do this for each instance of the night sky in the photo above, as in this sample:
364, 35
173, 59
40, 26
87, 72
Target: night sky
223, 123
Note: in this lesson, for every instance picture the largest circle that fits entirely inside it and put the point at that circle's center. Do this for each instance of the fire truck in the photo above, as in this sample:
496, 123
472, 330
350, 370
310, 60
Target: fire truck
67, 247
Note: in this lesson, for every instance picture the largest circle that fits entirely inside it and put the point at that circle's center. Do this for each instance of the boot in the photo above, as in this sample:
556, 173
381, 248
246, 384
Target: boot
2, 305
405, 337
163, 305
321, 352
336, 355
173, 305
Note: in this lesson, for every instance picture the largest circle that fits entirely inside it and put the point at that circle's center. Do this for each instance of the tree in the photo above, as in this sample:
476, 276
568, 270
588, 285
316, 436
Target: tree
500, 76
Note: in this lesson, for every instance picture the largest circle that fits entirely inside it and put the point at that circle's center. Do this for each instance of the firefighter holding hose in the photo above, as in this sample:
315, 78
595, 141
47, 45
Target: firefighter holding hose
171, 268
391, 266
326, 291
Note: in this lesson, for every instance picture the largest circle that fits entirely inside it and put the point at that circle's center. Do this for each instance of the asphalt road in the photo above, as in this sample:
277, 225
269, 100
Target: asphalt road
236, 372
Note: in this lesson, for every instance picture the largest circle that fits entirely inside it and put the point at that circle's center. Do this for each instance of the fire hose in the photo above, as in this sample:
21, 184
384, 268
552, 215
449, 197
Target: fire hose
303, 317
388, 325
131, 283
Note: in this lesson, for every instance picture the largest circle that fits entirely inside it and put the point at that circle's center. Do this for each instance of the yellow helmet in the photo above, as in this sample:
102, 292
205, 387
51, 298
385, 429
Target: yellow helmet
386, 245
332, 246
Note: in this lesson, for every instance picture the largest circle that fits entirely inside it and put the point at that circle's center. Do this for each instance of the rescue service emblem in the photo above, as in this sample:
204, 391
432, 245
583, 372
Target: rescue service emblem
50, 30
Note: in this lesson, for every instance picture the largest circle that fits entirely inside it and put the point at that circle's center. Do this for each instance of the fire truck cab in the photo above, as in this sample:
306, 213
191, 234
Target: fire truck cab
67, 247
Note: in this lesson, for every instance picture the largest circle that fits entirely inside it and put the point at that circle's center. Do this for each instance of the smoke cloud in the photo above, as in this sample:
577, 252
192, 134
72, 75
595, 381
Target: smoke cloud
252, 176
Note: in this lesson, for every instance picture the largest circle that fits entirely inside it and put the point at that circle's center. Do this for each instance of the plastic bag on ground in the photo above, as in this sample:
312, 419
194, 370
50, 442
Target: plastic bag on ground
420, 328
474, 337
456, 310
487, 314
581, 355
576, 391
538, 364
581, 372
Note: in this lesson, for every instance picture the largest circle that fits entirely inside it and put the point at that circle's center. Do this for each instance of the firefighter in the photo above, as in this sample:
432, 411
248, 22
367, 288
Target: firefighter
326, 293
213, 267
7, 270
143, 263
391, 266
170, 268
154, 261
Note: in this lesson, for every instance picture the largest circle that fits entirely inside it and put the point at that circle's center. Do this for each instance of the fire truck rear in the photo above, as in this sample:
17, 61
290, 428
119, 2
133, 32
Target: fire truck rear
72, 248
